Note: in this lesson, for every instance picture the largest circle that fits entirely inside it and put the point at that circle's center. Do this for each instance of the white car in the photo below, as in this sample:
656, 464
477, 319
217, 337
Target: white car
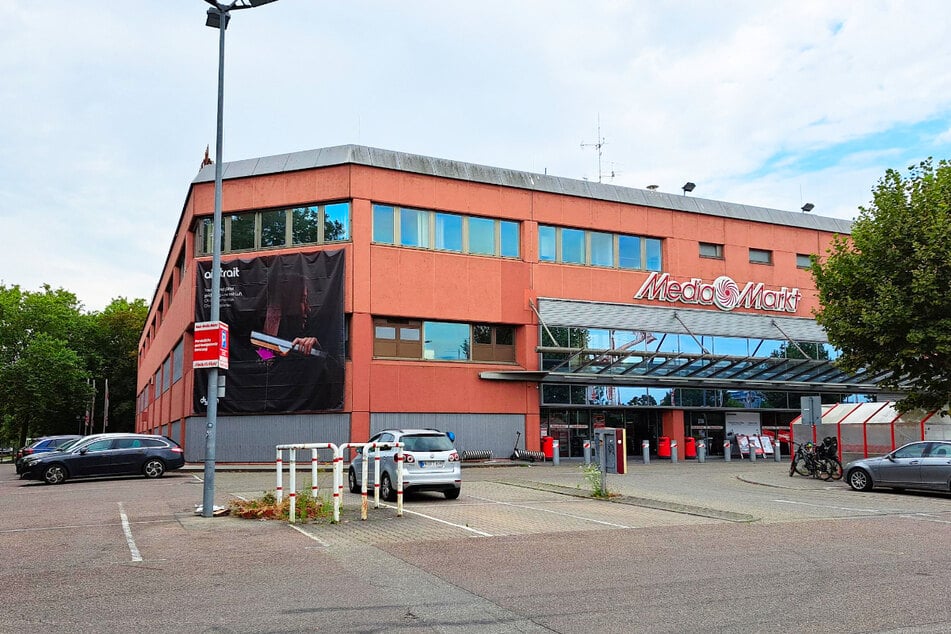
430, 463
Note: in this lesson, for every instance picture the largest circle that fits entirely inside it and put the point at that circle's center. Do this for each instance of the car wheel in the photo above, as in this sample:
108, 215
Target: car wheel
54, 474
154, 468
352, 480
453, 493
860, 480
387, 492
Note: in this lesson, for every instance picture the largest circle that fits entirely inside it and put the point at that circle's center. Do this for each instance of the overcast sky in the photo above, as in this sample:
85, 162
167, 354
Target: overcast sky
106, 106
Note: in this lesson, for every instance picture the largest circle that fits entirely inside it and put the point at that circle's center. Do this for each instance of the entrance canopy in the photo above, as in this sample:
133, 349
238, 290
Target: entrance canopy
679, 348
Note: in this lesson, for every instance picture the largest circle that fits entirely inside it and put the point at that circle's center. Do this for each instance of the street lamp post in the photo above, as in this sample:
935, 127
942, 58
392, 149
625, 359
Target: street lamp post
218, 16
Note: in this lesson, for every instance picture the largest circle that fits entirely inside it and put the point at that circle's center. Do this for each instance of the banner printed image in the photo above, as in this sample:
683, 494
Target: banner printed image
286, 318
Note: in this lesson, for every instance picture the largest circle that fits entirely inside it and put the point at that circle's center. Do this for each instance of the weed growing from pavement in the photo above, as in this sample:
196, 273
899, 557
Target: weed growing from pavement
307, 508
592, 475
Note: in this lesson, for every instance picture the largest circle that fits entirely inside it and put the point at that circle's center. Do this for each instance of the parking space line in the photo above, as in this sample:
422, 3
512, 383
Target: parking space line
311, 535
830, 506
532, 508
436, 519
128, 534
925, 517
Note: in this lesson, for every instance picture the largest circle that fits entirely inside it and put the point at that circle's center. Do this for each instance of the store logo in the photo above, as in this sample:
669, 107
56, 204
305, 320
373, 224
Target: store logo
723, 293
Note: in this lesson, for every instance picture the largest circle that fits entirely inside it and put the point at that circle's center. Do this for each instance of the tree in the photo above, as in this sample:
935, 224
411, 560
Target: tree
885, 290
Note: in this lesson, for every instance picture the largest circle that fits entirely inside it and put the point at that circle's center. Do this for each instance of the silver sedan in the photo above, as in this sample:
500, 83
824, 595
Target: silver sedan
918, 465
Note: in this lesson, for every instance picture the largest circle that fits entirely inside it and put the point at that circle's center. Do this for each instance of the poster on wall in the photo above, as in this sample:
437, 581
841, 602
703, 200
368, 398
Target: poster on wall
285, 314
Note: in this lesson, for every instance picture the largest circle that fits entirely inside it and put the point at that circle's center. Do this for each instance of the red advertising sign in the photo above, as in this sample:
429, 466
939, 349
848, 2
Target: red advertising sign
211, 345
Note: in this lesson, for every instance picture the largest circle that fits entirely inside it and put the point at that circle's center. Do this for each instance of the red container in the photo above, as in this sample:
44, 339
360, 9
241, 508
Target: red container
663, 447
548, 447
690, 447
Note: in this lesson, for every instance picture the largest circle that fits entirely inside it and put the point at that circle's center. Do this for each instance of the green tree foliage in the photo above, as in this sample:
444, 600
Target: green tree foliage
885, 291
50, 353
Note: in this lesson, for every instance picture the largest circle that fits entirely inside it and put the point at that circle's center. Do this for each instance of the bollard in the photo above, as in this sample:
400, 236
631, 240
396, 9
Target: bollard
556, 453
646, 451
673, 451
587, 453
701, 451
752, 453
727, 450
777, 454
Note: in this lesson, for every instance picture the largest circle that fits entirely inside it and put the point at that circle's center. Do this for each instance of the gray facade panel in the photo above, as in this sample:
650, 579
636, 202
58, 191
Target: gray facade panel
474, 432
561, 312
253, 438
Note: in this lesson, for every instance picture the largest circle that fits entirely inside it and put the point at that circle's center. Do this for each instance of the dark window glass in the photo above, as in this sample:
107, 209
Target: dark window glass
304, 225
629, 252
273, 228
242, 231
572, 246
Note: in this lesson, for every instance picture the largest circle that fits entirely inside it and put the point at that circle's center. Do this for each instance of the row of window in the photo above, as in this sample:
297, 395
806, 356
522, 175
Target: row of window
650, 341
445, 231
169, 373
598, 248
442, 341
277, 228
757, 256
629, 396
421, 228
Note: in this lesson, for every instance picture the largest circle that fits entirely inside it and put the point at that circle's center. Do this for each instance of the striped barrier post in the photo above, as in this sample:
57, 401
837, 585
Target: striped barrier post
292, 485
279, 487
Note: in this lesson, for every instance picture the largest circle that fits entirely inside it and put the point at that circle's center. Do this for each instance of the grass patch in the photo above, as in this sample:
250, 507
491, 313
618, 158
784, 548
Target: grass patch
307, 508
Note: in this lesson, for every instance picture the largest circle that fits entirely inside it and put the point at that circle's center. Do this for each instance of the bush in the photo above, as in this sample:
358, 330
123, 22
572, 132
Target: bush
307, 508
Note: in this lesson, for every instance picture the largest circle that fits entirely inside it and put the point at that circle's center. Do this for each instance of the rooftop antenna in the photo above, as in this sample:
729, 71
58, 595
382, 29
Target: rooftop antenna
599, 147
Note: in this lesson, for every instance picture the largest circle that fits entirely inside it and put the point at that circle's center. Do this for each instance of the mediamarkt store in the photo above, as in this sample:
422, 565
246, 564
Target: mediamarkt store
426, 292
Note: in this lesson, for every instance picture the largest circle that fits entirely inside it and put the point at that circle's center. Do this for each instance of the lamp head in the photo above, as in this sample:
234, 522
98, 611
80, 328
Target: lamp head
689, 187
808, 207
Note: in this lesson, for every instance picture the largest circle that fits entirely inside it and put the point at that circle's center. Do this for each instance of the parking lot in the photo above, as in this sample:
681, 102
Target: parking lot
108, 555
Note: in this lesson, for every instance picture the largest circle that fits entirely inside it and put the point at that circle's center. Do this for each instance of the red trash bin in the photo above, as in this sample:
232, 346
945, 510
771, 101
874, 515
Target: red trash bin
690, 447
548, 447
663, 447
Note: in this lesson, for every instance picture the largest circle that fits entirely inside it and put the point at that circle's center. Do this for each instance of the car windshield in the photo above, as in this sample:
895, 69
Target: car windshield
66, 446
428, 442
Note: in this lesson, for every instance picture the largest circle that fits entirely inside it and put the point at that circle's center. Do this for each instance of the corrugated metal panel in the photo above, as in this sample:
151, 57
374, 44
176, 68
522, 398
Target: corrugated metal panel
474, 432
563, 312
445, 168
253, 438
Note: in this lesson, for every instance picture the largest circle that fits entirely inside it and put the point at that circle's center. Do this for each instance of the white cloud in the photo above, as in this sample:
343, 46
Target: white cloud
107, 111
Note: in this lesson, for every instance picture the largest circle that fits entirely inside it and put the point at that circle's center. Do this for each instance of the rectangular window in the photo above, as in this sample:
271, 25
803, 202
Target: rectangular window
445, 341
803, 261
241, 231
654, 259
572, 246
711, 250
414, 228
602, 248
546, 244
336, 222
761, 256
178, 361
397, 338
167, 374
305, 223
481, 236
493, 343
508, 231
273, 228
448, 232
383, 227
629, 252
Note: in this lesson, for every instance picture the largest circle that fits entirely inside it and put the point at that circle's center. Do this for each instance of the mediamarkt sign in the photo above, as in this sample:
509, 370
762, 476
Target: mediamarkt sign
723, 293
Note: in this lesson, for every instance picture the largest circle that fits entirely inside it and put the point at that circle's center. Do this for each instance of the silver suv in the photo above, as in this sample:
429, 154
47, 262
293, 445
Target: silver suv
430, 463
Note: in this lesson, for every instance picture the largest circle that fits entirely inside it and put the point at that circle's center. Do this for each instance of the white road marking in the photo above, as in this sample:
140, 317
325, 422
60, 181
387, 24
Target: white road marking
532, 508
436, 519
829, 506
312, 536
926, 517
128, 534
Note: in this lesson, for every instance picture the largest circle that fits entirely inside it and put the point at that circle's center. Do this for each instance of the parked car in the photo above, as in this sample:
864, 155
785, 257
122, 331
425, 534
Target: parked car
430, 463
42, 445
918, 465
105, 455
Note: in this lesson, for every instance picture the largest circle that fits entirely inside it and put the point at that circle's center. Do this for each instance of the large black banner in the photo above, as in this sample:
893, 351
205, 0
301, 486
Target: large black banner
285, 314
